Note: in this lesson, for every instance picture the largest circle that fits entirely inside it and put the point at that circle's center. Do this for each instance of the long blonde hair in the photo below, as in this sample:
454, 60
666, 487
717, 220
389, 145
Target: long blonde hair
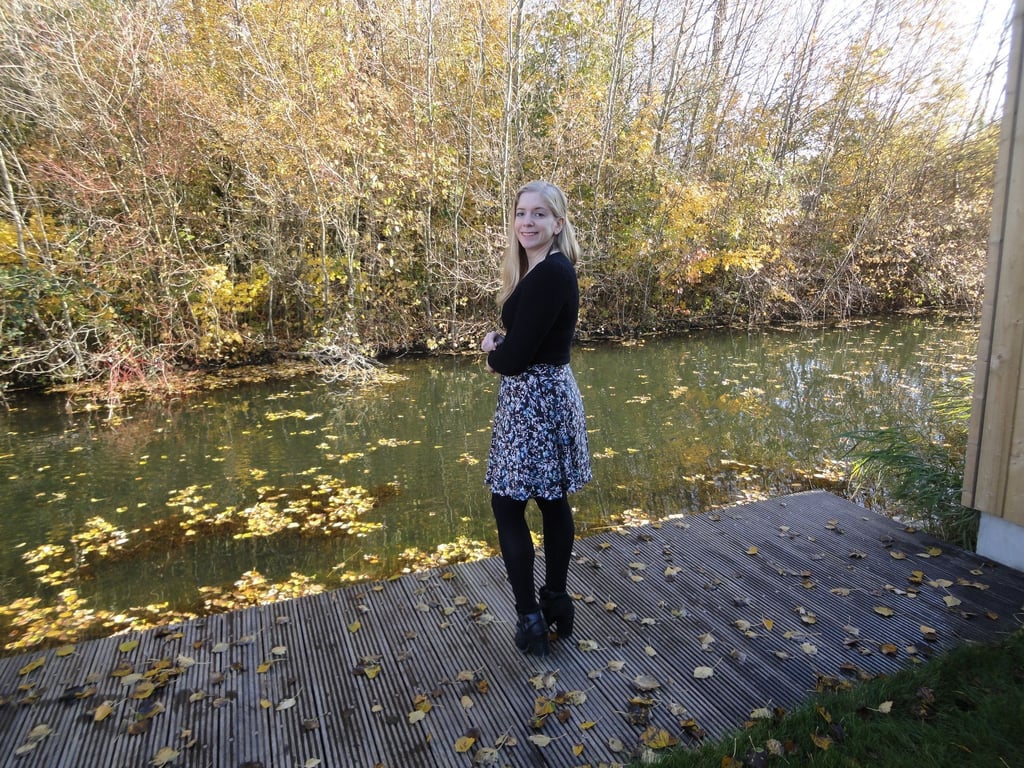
514, 264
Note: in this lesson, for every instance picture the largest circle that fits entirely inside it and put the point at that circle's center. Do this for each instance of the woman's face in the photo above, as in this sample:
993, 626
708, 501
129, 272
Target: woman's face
535, 224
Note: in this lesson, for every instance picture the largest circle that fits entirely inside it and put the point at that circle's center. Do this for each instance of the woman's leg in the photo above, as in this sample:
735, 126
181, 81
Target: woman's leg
559, 533
516, 549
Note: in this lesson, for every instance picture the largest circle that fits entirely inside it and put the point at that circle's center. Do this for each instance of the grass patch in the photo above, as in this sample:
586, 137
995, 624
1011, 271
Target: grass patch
963, 708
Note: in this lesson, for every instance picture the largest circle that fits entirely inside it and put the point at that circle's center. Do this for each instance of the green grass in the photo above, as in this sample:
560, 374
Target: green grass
962, 709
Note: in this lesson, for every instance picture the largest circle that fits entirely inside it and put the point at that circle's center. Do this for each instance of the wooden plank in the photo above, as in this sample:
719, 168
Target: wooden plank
995, 454
654, 603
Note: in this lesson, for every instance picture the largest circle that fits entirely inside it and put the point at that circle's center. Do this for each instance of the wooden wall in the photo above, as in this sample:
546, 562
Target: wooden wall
994, 469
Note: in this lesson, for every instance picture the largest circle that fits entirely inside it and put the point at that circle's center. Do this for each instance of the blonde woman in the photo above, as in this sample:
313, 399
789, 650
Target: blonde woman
539, 444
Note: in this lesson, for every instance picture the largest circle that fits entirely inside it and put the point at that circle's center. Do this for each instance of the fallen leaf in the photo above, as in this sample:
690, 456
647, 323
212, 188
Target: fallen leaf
464, 743
885, 707
703, 673
164, 756
32, 666
645, 683
950, 601
882, 610
540, 739
128, 645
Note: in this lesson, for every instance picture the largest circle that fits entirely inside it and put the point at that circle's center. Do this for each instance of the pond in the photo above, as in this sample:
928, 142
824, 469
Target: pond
283, 487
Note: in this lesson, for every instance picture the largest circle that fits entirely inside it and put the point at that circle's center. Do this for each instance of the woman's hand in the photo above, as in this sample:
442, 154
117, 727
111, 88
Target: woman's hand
491, 341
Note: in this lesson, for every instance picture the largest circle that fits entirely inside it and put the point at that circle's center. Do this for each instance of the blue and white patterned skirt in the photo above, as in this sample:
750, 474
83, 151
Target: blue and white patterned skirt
539, 445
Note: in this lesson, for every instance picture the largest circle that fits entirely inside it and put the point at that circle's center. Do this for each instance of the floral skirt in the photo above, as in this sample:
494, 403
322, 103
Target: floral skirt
539, 445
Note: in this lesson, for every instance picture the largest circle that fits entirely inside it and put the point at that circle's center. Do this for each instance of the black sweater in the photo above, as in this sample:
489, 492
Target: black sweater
539, 318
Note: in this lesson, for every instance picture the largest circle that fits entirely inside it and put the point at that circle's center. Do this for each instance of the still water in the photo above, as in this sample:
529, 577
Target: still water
675, 425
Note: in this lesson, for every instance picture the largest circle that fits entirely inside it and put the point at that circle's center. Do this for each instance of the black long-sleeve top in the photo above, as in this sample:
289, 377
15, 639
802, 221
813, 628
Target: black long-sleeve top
539, 318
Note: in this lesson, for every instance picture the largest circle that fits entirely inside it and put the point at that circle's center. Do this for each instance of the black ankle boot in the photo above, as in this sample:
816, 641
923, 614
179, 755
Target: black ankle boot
532, 634
559, 612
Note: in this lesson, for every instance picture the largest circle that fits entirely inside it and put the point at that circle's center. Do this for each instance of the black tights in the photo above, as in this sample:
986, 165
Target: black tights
517, 546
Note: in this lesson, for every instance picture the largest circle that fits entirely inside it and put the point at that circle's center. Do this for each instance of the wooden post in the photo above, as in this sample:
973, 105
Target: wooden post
994, 468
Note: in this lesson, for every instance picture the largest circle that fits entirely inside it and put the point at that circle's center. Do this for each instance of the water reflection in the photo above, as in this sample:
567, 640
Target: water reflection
675, 426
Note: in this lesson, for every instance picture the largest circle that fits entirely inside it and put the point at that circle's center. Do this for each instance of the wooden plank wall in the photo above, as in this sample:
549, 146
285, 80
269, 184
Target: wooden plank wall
994, 470
775, 597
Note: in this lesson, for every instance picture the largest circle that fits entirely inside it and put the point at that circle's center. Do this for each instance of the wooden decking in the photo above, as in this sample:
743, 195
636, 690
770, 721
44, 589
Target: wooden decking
775, 597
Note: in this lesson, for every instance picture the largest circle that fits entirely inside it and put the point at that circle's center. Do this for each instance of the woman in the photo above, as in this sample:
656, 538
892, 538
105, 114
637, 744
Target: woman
539, 445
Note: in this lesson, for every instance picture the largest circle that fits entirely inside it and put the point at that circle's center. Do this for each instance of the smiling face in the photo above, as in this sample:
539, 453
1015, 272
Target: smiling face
535, 225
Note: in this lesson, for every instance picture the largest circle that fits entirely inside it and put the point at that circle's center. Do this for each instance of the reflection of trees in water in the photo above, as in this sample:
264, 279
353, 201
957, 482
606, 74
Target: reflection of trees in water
676, 425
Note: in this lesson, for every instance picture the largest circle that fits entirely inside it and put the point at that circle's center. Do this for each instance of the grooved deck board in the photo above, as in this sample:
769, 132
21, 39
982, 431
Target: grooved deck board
445, 636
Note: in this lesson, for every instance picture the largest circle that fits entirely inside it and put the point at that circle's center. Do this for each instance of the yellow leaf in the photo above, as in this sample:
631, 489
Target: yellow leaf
464, 744
897, 555
128, 645
32, 666
164, 756
658, 738
266, 703
822, 742
703, 673
265, 667
577, 749
768, 624
751, 550
65, 650
103, 711
950, 601
416, 715
585, 726
354, 626
882, 610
